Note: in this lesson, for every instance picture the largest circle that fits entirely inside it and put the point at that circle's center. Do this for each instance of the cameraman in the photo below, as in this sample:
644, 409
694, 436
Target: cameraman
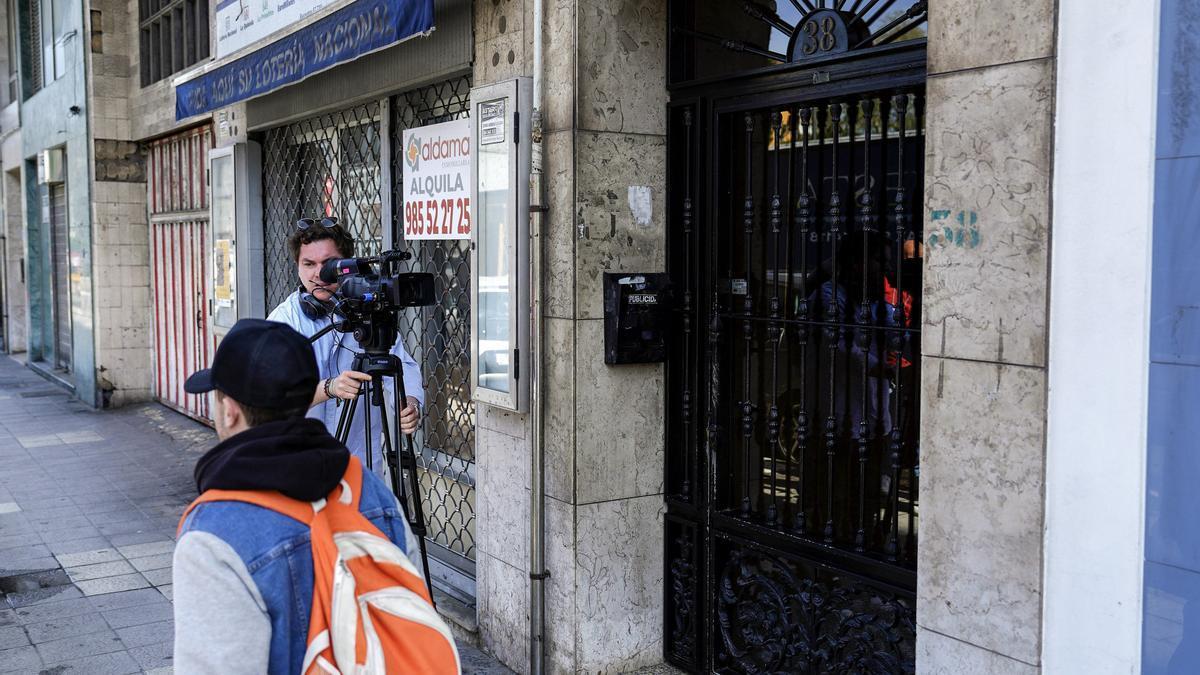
307, 310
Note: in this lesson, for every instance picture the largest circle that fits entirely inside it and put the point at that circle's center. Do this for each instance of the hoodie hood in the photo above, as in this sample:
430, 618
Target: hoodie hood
296, 456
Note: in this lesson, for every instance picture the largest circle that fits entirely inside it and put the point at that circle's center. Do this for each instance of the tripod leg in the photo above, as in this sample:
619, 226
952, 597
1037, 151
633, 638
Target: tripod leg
417, 522
346, 420
367, 444
389, 452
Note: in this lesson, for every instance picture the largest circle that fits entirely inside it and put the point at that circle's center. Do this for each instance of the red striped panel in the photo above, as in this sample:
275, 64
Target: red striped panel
177, 183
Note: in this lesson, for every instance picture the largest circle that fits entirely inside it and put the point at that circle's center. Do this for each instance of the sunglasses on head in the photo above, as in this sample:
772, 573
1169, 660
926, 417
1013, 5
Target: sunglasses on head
327, 223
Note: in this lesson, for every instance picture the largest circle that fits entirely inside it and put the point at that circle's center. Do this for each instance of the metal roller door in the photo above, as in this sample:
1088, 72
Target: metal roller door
178, 198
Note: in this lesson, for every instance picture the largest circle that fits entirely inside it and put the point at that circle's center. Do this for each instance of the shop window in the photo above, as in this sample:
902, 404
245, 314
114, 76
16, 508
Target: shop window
173, 35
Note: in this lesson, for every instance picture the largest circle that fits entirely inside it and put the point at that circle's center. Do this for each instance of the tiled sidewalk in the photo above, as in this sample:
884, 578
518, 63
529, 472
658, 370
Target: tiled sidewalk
89, 502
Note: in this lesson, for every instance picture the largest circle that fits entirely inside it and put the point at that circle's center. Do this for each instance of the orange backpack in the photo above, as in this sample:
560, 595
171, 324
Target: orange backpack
371, 612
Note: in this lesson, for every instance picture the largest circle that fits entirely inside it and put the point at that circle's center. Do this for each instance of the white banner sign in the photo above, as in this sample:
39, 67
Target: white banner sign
437, 181
244, 22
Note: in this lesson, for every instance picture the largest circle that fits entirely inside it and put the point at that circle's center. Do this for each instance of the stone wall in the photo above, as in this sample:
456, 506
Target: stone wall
984, 340
14, 264
120, 229
604, 425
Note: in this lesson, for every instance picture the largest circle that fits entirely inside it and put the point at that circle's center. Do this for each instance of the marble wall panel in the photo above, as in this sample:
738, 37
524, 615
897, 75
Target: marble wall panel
982, 466
619, 229
502, 597
559, 369
501, 421
619, 444
987, 175
560, 587
940, 655
559, 224
619, 584
623, 65
501, 58
502, 498
558, 54
494, 18
972, 34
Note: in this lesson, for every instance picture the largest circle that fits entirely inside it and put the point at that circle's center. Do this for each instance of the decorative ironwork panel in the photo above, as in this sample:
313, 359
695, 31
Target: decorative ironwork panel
684, 590
439, 338
793, 462
784, 614
327, 165
712, 39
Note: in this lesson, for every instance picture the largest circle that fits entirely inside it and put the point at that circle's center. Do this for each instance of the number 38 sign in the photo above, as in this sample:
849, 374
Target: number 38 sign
437, 181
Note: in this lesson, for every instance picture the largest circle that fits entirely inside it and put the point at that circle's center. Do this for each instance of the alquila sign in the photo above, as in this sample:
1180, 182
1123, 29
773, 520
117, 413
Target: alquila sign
359, 28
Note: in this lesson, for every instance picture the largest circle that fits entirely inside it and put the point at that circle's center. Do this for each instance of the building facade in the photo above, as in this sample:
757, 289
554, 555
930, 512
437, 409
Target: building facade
924, 399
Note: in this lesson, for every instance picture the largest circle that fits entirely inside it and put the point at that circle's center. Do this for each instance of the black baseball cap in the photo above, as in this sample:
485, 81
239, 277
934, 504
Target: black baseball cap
263, 364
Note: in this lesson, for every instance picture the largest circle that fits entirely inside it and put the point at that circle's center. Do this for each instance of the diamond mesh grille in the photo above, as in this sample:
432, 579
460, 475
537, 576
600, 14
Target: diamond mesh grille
439, 337
331, 164
324, 165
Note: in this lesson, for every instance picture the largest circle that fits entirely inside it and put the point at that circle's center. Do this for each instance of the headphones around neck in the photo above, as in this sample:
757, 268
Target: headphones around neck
311, 306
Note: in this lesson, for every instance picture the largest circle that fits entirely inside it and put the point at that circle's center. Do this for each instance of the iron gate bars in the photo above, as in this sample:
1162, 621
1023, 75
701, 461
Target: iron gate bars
821, 303
794, 492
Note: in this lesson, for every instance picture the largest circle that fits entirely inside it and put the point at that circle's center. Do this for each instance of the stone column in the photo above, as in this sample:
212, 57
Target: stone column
989, 158
605, 140
124, 333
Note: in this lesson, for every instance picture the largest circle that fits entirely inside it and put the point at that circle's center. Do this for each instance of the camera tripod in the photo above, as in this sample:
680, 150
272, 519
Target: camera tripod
399, 460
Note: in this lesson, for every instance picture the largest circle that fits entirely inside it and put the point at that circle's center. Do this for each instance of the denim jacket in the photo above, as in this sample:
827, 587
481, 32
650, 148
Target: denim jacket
244, 581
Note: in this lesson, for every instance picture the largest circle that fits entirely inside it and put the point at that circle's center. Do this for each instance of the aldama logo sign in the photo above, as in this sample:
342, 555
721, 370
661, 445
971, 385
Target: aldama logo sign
437, 181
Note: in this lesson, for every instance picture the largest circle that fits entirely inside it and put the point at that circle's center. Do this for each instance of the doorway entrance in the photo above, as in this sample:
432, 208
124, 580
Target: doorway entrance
60, 271
793, 461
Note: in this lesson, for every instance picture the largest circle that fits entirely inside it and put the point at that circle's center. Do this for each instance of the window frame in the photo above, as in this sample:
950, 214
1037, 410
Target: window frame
173, 35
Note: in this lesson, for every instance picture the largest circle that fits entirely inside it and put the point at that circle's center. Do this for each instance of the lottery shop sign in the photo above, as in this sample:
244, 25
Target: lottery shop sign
437, 181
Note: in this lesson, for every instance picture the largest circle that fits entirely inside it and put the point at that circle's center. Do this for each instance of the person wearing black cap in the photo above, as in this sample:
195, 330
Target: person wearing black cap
243, 574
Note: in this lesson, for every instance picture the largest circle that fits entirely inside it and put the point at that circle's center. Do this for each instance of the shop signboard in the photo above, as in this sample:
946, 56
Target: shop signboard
345, 34
246, 22
437, 181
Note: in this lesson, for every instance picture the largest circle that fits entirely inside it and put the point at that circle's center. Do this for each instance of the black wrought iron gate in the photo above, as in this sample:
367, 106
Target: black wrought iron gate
794, 387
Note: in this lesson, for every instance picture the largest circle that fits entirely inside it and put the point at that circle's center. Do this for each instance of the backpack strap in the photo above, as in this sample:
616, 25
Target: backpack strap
348, 491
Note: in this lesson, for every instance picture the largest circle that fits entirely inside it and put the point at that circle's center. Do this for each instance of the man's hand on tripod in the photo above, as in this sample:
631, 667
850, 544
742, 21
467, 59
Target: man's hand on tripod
345, 386
410, 416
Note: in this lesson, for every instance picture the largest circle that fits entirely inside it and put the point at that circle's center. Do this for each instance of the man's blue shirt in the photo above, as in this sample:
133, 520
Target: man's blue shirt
335, 353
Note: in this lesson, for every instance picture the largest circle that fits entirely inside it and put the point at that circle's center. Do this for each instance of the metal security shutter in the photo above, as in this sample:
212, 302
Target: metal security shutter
60, 276
332, 164
177, 190
439, 338
322, 166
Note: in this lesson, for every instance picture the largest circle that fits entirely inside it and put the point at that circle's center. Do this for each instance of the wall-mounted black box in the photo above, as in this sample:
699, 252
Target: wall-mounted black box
637, 316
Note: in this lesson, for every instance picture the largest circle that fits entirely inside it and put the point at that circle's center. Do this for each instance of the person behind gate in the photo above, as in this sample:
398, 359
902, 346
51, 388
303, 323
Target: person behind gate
252, 566
307, 309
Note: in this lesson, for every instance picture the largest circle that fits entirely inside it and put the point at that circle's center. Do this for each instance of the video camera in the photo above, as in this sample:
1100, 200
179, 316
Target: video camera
369, 301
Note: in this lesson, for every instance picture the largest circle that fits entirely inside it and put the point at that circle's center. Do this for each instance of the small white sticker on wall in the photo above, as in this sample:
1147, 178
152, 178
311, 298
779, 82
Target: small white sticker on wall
640, 204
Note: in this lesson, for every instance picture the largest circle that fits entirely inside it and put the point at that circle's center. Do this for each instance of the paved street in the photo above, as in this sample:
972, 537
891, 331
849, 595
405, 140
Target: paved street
89, 502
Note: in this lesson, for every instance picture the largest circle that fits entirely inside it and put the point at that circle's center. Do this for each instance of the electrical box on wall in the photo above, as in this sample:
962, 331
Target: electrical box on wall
50, 166
636, 307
